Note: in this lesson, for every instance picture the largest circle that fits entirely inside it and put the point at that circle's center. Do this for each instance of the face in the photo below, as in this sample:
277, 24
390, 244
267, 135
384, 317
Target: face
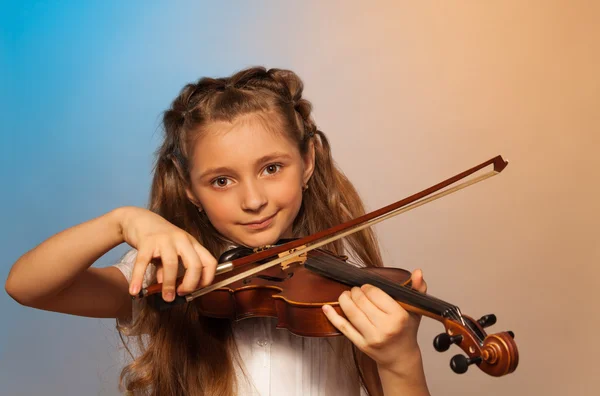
248, 179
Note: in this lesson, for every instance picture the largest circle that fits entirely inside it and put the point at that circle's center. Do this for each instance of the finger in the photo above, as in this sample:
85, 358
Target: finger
193, 269
418, 283
209, 264
139, 270
159, 274
381, 299
372, 312
345, 327
170, 261
392, 319
355, 315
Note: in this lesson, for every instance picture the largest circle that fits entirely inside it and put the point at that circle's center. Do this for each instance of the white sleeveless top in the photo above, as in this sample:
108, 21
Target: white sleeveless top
277, 362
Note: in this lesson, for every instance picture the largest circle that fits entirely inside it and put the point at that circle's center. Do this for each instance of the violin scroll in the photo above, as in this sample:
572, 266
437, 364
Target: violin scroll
495, 354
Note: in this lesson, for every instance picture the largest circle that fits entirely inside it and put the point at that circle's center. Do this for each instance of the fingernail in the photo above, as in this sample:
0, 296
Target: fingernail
135, 289
169, 296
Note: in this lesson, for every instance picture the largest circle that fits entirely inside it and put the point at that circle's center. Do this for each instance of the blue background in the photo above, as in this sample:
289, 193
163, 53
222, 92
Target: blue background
83, 86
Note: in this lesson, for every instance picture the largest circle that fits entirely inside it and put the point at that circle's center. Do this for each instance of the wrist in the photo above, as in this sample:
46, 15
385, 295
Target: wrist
406, 365
118, 218
405, 376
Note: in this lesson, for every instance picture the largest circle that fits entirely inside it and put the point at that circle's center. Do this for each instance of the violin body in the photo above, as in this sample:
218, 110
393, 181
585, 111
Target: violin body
294, 295
295, 291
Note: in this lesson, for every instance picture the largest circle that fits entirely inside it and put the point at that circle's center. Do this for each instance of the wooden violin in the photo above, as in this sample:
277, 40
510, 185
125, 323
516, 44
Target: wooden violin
294, 279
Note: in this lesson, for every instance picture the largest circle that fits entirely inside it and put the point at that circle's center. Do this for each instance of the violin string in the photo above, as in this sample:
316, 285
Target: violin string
328, 267
452, 311
351, 270
452, 308
441, 306
448, 309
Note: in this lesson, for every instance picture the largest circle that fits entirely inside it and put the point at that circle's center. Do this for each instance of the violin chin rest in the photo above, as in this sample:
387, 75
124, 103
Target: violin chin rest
235, 253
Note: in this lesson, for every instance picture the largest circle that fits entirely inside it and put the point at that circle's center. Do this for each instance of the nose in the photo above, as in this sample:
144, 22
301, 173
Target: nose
254, 198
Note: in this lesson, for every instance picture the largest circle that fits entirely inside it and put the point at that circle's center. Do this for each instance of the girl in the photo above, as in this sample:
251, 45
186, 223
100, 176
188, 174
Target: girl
242, 163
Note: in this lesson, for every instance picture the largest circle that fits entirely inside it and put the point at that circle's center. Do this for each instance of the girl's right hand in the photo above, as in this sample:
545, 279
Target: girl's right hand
155, 237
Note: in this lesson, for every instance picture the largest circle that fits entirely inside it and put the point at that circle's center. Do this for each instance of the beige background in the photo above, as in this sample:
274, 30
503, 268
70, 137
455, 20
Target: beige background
422, 92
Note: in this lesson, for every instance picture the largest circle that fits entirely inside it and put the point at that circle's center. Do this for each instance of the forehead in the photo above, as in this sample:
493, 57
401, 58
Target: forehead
241, 142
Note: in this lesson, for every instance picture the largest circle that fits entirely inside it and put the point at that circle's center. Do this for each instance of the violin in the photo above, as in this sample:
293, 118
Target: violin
293, 279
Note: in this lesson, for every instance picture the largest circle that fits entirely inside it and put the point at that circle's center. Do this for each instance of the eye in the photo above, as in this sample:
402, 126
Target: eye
220, 182
272, 169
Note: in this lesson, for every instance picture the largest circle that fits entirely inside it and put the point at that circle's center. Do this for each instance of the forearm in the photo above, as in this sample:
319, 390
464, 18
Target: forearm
405, 379
51, 266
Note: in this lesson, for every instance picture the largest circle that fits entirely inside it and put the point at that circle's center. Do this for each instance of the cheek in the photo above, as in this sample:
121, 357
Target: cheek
291, 197
218, 209
286, 195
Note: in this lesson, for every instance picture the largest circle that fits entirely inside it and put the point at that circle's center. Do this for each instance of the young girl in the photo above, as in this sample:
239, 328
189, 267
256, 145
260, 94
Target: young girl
242, 163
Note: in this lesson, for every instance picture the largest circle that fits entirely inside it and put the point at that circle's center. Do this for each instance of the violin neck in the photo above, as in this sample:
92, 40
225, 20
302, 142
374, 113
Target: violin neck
409, 298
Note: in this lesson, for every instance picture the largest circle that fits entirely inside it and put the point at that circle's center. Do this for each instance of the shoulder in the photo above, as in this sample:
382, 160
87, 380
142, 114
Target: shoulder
126, 262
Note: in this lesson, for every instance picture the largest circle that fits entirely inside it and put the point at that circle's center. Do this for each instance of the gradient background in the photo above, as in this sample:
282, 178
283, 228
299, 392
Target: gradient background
409, 95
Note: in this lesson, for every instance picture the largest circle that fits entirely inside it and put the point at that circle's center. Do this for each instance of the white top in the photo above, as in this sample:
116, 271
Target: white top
278, 362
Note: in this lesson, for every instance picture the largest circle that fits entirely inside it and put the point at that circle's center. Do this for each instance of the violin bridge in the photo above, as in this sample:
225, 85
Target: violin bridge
294, 260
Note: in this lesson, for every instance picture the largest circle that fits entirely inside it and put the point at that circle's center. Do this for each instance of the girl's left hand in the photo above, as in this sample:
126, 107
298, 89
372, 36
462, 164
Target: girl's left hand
377, 324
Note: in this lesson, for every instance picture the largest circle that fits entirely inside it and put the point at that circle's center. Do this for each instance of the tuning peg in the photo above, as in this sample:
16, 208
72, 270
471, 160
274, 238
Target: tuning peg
443, 341
459, 363
487, 320
510, 333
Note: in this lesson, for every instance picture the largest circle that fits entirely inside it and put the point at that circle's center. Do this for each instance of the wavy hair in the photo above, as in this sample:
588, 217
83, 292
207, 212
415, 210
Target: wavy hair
182, 352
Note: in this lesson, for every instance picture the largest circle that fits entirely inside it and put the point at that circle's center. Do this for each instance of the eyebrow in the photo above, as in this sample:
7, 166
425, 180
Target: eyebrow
260, 161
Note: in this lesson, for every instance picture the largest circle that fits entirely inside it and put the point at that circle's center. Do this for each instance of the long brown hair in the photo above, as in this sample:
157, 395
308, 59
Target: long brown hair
182, 352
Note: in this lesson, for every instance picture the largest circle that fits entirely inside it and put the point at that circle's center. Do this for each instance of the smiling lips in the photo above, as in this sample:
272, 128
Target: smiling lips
260, 224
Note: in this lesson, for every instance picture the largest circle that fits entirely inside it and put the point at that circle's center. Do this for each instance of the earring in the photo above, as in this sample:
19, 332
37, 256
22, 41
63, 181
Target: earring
199, 210
305, 187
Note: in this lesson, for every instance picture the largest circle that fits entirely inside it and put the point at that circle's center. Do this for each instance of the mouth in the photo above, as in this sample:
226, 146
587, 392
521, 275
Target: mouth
260, 223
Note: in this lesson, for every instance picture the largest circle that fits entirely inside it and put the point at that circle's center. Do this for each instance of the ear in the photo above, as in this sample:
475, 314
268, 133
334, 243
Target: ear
192, 198
309, 162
